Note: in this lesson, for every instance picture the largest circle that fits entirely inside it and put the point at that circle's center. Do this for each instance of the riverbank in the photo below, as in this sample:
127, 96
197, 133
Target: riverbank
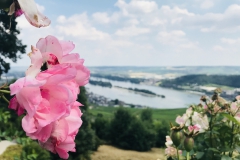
143, 92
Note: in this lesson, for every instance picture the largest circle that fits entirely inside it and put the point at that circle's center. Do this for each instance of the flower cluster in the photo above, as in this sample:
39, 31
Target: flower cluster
171, 151
192, 119
208, 130
48, 97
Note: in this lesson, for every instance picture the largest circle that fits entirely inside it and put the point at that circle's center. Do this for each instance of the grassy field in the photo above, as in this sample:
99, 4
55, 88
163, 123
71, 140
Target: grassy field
158, 114
106, 152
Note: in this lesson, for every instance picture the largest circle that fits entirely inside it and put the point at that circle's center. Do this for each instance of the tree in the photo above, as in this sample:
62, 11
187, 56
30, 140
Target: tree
128, 132
101, 126
162, 130
5, 4
10, 46
119, 127
146, 115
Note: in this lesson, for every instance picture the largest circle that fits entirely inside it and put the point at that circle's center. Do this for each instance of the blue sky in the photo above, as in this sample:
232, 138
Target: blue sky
143, 32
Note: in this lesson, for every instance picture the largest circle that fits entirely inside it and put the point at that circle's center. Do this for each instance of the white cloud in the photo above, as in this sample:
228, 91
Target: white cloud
155, 29
207, 4
171, 37
137, 6
176, 38
132, 31
175, 11
132, 21
207, 29
230, 40
101, 17
156, 21
40, 8
218, 48
216, 22
61, 19
80, 27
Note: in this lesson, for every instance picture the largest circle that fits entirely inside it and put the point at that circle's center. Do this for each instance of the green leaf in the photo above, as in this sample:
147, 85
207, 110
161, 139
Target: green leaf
225, 157
213, 149
231, 118
18, 140
238, 148
199, 155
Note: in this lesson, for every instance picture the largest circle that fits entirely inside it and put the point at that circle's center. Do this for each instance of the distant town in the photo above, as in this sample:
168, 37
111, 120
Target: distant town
98, 100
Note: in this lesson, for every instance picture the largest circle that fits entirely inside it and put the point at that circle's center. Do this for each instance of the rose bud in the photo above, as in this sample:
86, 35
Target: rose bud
188, 144
176, 137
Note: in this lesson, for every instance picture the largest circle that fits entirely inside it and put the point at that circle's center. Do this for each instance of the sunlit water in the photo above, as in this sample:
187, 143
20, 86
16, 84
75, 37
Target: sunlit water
173, 98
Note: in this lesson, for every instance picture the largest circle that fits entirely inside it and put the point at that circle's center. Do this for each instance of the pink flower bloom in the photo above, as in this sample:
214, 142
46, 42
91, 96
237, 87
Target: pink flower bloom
24, 88
58, 52
237, 116
172, 152
237, 98
183, 120
63, 133
195, 128
169, 141
205, 107
201, 120
234, 107
18, 12
49, 97
16, 106
29, 9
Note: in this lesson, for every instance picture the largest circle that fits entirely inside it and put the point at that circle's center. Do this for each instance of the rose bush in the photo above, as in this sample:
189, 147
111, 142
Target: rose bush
211, 131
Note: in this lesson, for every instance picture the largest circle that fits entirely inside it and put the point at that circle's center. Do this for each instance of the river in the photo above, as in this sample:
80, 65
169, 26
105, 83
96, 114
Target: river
173, 98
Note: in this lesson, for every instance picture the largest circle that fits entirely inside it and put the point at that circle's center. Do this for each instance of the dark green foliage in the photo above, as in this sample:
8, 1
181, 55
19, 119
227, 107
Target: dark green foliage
202, 79
100, 83
116, 101
10, 46
118, 78
35, 151
139, 137
5, 4
128, 132
10, 123
82, 98
120, 125
101, 126
162, 130
146, 115
143, 91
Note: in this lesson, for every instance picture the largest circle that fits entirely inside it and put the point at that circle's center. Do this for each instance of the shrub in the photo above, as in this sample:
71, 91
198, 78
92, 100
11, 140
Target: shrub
128, 132
101, 127
162, 129
34, 151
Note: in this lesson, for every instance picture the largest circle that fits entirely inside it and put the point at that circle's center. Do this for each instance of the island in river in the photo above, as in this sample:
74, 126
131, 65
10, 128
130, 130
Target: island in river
142, 91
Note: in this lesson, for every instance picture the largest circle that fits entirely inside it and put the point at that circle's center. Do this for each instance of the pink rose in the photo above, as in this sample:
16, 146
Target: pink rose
24, 88
195, 128
49, 97
58, 52
63, 133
